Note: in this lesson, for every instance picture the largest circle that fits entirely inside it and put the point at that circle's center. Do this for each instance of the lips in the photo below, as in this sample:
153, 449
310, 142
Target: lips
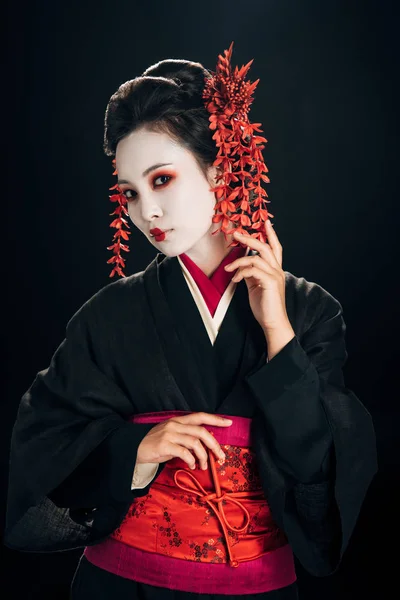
159, 234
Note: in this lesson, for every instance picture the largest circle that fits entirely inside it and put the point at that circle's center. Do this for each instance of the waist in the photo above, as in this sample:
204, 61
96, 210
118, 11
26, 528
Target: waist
191, 522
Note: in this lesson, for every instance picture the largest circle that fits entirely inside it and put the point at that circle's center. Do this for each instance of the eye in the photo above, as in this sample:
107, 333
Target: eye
165, 179
131, 195
134, 194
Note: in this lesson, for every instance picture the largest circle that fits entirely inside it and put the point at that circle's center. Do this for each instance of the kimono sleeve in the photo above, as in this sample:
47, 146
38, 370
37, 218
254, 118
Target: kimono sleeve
316, 502
108, 474
298, 433
72, 426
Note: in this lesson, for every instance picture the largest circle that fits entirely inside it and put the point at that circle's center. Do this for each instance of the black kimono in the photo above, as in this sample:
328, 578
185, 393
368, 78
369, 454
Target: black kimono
139, 345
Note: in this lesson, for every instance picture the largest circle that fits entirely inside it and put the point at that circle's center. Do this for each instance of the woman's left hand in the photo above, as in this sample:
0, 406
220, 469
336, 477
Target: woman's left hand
265, 279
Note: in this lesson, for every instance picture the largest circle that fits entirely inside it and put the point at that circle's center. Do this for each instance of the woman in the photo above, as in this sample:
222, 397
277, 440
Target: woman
193, 431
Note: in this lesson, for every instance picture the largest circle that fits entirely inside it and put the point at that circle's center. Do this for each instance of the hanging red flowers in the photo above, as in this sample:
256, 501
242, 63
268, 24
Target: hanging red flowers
228, 96
118, 223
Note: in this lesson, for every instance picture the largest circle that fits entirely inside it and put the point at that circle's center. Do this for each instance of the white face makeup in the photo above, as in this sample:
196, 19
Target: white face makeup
173, 196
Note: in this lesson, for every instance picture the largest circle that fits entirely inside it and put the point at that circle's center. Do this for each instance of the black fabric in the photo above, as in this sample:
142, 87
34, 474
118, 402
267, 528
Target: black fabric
295, 421
105, 476
315, 465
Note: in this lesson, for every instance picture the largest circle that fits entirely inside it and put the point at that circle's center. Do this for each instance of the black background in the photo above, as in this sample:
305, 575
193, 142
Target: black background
328, 103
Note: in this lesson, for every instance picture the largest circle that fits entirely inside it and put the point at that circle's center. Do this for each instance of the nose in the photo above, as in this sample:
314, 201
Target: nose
149, 209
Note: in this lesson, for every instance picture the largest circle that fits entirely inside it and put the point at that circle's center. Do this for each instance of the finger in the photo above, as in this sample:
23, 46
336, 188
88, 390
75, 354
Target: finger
262, 248
207, 438
196, 446
179, 451
273, 241
200, 418
269, 228
252, 243
258, 274
255, 261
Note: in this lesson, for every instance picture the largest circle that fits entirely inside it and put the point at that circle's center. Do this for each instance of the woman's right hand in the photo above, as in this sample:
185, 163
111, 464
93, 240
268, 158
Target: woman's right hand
179, 437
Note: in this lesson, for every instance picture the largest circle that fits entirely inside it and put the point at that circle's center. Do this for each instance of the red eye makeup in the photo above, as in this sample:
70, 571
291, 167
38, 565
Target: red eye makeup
170, 175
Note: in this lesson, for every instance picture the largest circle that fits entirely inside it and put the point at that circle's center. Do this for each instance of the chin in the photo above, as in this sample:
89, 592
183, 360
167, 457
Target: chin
172, 252
174, 248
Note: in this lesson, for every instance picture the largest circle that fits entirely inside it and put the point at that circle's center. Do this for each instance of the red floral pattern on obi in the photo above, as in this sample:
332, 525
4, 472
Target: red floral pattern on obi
219, 515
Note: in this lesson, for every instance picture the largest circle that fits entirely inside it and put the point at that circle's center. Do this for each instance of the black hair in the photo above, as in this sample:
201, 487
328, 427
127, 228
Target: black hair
167, 97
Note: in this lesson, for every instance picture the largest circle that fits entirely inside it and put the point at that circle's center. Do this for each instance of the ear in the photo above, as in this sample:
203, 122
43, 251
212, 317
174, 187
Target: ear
213, 174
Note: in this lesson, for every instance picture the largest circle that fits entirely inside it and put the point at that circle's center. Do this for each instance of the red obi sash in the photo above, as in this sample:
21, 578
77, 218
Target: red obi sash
192, 527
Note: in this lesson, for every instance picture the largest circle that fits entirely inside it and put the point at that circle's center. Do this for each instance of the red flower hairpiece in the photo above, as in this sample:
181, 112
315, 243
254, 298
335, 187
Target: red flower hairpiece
118, 223
228, 97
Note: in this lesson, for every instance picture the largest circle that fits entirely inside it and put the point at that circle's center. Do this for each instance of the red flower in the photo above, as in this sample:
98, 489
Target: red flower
228, 96
118, 224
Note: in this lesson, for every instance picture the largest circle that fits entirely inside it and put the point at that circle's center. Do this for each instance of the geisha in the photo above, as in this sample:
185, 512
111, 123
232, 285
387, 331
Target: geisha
193, 433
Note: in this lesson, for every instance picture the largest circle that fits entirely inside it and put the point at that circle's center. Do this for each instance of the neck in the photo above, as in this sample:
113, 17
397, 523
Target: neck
210, 251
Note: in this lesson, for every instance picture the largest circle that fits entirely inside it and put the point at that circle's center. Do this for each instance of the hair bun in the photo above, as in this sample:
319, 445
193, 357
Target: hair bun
187, 74
167, 97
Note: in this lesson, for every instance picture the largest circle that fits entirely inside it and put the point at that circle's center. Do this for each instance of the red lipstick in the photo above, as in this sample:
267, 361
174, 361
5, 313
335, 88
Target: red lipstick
159, 234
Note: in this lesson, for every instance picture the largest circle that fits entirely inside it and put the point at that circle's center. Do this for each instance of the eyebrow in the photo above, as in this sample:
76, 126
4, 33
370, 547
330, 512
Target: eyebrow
147, 171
